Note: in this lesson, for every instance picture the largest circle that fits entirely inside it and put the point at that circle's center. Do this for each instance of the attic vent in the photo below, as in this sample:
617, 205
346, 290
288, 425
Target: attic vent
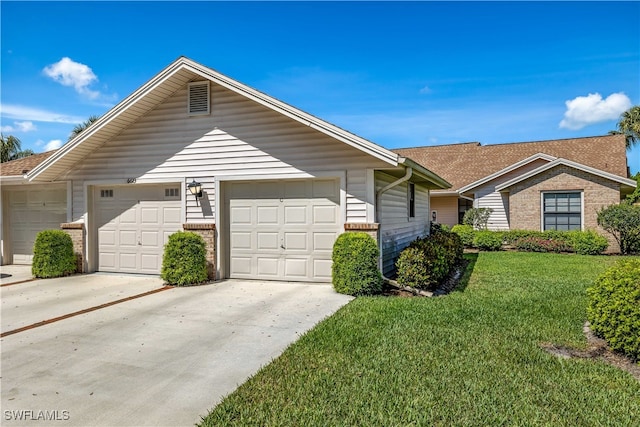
199, 98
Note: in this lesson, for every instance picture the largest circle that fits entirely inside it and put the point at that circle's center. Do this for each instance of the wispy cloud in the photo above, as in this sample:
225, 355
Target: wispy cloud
81, 77
20, 112
426, 90
586, 110
70, 73
54, 144
19, 127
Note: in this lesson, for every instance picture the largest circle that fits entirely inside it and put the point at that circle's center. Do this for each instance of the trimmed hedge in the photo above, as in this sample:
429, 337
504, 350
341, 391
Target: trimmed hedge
466, 234
185, 259
614, 307
427, 261
53, 255
588, 242
488, 240
355, 265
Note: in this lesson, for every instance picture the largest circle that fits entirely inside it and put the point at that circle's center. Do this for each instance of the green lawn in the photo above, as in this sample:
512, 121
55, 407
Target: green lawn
471, 358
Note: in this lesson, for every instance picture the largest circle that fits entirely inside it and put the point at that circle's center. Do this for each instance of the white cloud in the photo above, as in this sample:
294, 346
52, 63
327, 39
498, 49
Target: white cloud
426, 90
20, 112
54, 144
587, 110
19, 127
70, 73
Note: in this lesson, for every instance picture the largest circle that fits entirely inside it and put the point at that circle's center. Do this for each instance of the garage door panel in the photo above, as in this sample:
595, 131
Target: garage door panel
241, 266
286, 231
323, 241
33, 209
295, 215
325, 215
150, 216
134, 224
296, 268
267, 241
322, 268
268, 266
241, 215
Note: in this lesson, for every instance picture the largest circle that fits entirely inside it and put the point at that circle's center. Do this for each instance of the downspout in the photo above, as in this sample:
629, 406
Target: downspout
406, 177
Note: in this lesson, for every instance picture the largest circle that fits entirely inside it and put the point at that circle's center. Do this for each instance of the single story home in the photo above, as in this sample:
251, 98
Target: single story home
268, 186
543, 185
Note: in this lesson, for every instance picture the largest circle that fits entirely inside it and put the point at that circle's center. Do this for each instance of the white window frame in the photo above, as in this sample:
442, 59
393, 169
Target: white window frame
542, 193
411, 200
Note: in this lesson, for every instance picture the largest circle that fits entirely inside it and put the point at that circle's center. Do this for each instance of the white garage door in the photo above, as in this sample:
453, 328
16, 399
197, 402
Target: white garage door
31, 210
283, 230
133, 224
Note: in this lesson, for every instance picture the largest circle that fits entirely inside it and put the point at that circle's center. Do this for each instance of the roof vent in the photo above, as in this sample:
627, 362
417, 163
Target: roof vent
199, 98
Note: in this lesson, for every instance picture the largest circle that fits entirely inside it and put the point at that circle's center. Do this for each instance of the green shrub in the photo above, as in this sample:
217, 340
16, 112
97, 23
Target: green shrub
540, 244
623, 222
53, 255
355, 265
588, 242
422, 265
466, 234
488, 240
185, 259
427, 261
477, 217
614, 307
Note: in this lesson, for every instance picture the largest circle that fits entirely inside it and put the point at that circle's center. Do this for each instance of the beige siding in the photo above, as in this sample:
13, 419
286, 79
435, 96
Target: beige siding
397, 230
446, 208
486, 196
239, 139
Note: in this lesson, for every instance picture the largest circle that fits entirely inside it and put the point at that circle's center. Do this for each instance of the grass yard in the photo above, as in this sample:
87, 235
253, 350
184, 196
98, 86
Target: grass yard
471, 358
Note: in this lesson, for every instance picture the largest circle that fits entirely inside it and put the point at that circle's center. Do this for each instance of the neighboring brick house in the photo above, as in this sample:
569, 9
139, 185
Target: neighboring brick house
557, 184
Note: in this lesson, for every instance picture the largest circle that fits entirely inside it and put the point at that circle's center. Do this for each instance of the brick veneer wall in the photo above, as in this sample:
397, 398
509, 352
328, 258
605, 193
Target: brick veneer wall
525, 198
208, 233
76, 231
371, 229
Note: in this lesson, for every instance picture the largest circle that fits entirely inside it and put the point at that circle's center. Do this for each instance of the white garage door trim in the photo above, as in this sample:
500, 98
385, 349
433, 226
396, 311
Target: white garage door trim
282, 229
31, 209
132, 225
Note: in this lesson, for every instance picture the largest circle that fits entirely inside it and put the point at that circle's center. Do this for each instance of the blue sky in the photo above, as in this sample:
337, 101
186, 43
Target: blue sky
398, 74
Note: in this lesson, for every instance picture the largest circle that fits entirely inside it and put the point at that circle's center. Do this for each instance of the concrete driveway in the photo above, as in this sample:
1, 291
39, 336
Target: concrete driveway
162, 359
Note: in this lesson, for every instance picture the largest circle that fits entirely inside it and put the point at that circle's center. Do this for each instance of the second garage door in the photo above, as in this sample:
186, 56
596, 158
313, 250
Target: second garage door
133, 225
283, 230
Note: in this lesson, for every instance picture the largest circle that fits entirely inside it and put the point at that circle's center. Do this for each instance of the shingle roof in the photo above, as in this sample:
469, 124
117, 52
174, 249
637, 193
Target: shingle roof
462, 164
21, 166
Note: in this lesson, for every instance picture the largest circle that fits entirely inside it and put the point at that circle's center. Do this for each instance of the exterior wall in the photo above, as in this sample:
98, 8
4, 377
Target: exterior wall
447, 209
208, 233
239, 139
397, 230
486, 196
76, 232
526, 200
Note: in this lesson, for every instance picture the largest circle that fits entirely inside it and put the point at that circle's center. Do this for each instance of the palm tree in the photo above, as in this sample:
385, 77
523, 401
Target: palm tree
629, 125
79, 128
10, 147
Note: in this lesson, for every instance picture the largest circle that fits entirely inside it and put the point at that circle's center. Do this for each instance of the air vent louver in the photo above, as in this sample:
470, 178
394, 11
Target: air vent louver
199, 98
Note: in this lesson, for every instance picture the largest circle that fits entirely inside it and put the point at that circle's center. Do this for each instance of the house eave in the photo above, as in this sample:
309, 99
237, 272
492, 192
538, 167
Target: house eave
177, 73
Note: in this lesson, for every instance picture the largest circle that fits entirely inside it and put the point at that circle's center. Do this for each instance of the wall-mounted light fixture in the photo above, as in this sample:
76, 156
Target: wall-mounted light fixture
195, 188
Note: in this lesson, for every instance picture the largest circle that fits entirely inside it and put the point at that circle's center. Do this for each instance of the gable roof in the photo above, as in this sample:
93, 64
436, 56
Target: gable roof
539, 156
466, 163
21, 166
629, 183
164, 84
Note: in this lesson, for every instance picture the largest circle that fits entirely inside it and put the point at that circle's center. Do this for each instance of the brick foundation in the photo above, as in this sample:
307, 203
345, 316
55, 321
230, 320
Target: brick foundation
208, 233
76, 231
371, 229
